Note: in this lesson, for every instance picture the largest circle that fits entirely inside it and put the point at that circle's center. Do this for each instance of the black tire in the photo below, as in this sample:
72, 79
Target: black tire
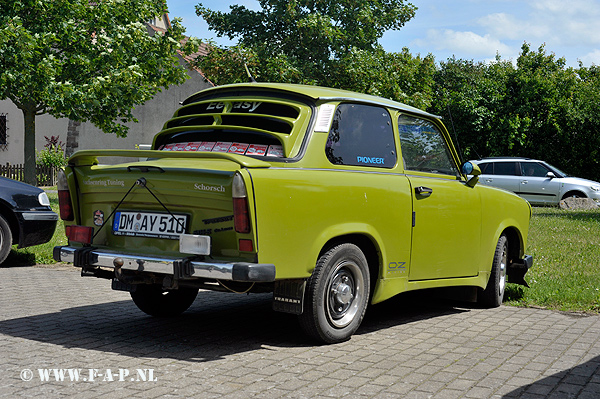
574, 194
5, 239
493, 294
336, 295
153, 300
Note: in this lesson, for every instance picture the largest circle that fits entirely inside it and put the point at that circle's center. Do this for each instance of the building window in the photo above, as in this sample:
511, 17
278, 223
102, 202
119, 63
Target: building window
3, 131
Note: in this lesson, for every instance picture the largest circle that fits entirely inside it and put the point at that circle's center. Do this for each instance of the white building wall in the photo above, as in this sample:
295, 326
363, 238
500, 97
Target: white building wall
46, 125
151, 116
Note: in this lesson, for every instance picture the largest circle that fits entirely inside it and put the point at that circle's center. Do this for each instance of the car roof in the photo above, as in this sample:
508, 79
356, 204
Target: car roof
507, 159
316, 93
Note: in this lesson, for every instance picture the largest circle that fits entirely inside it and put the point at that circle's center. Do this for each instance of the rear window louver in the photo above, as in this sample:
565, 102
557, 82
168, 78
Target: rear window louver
271, 117
257, 122
264, 108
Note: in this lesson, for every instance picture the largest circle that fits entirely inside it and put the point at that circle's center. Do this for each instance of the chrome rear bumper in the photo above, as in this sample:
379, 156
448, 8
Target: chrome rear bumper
234, 271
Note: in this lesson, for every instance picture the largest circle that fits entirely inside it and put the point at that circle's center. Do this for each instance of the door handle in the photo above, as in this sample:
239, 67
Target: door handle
489, 180
424, 191
524, 182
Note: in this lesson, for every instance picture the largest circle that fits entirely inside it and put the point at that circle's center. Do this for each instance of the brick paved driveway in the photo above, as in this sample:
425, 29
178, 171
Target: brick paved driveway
234, 346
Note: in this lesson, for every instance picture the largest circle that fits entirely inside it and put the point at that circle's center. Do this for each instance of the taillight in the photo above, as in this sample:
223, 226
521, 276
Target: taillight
82, 234
241, 216
64, 197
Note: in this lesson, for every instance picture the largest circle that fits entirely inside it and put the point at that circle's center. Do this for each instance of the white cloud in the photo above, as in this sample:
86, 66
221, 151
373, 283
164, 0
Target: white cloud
591, 58
555, 22
507, 26
469, 44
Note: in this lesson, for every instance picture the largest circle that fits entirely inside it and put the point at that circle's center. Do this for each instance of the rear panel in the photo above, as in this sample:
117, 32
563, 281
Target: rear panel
197, 190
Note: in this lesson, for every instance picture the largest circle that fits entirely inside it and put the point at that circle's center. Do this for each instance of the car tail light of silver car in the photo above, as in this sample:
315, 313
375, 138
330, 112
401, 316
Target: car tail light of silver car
241, 216
64, 197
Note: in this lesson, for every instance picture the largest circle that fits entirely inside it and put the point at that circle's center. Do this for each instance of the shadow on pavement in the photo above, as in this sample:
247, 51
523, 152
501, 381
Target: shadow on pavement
582, 382
217, 325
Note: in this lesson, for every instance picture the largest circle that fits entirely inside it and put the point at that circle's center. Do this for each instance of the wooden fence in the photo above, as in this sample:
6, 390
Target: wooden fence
46, 175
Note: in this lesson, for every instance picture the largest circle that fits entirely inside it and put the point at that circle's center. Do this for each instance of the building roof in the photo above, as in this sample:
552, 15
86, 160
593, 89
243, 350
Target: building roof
189, 59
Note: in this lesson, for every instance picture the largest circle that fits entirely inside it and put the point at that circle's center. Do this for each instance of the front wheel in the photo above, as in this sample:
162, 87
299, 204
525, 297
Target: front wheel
5, 239
493, 294
153, 300
336, 295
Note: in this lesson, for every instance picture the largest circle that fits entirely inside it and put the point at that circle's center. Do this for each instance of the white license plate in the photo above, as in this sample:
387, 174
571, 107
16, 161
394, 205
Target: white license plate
146, 224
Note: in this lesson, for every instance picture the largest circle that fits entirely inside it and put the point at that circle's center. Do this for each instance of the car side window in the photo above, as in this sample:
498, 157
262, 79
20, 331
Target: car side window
423, 147
506, 168
486, 168
361, 135
533, 169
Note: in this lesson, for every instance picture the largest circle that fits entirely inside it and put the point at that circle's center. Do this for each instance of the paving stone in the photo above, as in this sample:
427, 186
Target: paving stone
234, 346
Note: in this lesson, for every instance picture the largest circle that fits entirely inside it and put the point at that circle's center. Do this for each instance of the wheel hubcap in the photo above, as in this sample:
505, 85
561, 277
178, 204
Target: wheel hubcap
502, 271
345, 291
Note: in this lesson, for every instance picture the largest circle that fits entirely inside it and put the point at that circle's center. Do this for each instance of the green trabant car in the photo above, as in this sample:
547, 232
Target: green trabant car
329, 199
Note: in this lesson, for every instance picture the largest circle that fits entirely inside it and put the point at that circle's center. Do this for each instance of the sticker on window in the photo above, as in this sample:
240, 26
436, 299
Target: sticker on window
257, 149
222, 146
193, 146
238, 148
179, 147
275, 151
206, 146
324, 118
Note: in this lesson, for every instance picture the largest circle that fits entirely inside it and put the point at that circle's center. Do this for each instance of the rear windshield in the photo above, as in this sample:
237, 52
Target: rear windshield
254, 127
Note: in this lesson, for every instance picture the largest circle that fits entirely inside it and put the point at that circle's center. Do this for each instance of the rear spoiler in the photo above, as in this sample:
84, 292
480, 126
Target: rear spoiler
90, 157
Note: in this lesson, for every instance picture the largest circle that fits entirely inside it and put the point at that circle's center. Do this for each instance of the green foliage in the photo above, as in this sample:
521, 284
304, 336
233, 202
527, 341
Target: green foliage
87, 61
330, 43
53, 156
53, 153
538, 108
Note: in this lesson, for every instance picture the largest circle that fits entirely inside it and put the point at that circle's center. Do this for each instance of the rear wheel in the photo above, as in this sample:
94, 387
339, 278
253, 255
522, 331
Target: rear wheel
5, 239
153, 300
336, 295
493, 294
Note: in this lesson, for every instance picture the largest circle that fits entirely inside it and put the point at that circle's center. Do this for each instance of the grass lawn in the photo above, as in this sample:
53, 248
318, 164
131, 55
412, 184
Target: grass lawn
565, 246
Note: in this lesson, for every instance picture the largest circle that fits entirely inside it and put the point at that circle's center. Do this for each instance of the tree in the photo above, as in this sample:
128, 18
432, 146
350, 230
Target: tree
87, 61
326, 42
538, 108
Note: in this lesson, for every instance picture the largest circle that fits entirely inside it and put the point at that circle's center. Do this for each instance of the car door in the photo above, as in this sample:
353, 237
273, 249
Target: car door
535, 185
501, 174
446, 212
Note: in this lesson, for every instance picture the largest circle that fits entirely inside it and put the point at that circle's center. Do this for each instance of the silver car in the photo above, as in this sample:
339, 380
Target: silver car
537, 181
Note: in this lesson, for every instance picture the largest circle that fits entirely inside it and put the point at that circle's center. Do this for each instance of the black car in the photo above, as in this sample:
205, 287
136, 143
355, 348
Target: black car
26, 218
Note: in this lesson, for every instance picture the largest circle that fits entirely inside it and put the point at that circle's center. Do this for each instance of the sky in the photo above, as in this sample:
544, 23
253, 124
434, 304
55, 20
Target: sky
467, 29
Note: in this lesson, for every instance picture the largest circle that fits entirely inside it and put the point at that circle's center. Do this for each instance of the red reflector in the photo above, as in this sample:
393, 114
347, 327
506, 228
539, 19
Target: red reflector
80, 234
64, 204
246, 245
241, 218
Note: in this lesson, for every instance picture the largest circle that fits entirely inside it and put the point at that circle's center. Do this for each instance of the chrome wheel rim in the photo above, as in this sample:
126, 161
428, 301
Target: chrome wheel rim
502, 270
345, 291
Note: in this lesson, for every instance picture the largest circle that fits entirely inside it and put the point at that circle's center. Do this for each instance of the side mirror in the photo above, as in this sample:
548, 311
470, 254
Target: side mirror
469, 168
550, 175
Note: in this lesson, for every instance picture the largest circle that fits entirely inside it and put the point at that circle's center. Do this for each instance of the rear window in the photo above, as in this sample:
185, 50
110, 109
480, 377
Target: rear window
503, 169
